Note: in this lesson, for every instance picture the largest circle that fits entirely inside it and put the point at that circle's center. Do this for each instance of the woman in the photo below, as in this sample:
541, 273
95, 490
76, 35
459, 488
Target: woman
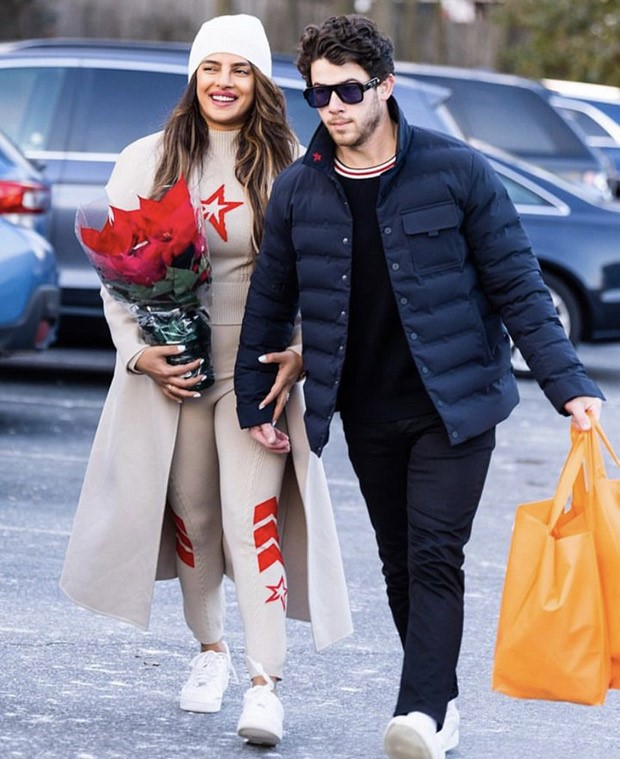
174, 487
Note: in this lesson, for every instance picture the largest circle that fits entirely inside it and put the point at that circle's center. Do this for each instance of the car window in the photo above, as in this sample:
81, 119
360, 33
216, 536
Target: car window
11, 156
512, 118
521, 195
5, 162
116, 107
589, 126
303, 119
29, 100
611, 109
418, 110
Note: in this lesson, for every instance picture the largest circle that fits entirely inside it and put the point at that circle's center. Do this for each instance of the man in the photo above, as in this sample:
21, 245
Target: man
405, 257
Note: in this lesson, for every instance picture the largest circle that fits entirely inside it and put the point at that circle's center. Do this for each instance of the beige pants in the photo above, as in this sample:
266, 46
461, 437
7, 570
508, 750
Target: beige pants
223, 490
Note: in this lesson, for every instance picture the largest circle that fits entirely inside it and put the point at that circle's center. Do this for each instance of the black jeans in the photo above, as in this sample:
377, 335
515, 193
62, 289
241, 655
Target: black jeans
422, 495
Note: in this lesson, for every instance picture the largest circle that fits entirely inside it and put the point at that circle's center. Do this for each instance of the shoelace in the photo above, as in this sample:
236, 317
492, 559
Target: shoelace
205, 667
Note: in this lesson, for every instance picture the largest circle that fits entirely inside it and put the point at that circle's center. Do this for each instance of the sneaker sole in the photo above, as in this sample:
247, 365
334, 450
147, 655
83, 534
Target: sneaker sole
202, 707
401, 742
259, 736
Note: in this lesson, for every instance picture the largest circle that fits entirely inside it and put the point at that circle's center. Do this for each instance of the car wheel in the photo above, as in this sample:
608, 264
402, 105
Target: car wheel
569, 314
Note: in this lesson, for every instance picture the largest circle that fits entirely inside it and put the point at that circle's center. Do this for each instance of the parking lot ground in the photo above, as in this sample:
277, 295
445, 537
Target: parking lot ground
75, 685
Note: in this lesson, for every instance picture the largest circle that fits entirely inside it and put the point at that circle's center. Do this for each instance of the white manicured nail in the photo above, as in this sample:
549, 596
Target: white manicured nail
262, 359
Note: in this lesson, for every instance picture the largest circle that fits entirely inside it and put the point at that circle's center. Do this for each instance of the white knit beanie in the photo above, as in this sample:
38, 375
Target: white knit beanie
240, 35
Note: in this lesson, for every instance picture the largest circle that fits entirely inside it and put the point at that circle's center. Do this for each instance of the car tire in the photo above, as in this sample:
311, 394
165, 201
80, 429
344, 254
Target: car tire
569, 314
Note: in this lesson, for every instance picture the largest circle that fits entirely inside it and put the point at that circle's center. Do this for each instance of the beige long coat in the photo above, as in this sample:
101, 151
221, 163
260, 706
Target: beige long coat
123, 538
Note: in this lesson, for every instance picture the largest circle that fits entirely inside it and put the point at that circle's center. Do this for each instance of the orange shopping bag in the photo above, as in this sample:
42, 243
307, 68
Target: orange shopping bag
601, 497
552, 641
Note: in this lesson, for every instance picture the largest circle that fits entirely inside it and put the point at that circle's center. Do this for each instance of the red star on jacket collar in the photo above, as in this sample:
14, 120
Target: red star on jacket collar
316, 157
215, 207
278, 593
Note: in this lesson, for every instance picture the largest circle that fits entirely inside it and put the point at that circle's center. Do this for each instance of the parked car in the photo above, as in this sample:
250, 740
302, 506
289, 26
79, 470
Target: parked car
595, 111
74, 104
66, 114
605, 97
599, 131
577, 242
24, 190
515, 114
29, 291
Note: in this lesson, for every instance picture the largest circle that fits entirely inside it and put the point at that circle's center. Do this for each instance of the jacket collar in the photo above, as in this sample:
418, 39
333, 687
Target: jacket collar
321, 150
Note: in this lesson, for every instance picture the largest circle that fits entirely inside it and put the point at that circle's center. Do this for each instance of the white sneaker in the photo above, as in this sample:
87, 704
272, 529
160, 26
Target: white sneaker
449, 733
412, 736
262, 715
207, 682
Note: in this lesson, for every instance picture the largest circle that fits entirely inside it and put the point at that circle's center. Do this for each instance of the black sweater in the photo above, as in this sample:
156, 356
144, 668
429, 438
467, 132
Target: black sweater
380, 381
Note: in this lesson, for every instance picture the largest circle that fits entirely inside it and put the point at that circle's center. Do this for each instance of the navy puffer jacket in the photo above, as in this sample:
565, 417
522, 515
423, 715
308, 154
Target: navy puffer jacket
460, 265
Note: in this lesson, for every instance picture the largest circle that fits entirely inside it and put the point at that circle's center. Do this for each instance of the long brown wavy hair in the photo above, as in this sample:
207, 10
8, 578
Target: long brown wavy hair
266, 145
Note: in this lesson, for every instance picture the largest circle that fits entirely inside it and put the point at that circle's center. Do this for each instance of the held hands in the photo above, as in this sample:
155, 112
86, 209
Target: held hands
290, 365
271, 437
173, 380
580, 407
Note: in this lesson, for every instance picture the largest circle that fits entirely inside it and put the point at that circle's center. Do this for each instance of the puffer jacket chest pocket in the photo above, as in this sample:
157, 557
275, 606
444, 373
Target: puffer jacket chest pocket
434, 237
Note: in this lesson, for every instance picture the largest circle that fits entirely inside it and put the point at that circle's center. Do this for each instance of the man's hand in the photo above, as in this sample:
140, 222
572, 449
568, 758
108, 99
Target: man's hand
271, 437
173, 380
290, 365
579, 407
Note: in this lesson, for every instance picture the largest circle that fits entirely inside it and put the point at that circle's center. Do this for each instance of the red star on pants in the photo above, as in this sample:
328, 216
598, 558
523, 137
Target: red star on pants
278, 593
215, 207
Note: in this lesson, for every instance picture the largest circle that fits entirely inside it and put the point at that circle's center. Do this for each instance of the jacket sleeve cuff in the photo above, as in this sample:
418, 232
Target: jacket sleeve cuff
563, 391
252, 417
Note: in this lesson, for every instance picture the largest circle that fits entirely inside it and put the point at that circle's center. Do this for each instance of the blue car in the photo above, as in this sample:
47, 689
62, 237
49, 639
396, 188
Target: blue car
604, 97
594, 109
515, 114
29, 292
577, 242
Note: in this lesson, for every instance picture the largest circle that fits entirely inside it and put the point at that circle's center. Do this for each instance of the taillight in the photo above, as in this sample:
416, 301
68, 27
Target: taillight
23, 197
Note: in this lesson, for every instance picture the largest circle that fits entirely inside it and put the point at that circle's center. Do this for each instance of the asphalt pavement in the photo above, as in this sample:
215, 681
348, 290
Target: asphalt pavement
76, 685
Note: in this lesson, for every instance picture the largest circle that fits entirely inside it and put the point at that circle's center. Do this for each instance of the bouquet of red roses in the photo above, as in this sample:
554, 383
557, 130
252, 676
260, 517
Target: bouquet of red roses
154, 259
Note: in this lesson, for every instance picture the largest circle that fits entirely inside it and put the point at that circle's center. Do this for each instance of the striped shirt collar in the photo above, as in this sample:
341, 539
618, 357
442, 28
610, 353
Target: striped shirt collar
365, 173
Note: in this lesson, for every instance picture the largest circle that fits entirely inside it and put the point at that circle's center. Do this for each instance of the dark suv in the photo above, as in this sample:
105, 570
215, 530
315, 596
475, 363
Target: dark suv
74, 104
515, 114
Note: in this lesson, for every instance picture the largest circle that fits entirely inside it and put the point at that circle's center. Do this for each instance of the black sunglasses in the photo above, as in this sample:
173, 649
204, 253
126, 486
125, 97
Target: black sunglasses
349, 92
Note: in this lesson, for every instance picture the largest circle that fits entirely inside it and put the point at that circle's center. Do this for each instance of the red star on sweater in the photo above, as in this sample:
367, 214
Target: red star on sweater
215, 207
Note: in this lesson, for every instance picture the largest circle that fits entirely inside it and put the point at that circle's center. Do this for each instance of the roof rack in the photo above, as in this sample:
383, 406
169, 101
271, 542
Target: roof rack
58, 43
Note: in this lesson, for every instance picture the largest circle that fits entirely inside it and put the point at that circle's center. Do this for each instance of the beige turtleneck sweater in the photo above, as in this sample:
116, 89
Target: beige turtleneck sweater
227, 214
228, 221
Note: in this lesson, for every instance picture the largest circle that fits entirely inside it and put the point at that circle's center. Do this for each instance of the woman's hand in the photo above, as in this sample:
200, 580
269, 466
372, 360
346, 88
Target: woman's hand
271, 438
173, 380
290, 366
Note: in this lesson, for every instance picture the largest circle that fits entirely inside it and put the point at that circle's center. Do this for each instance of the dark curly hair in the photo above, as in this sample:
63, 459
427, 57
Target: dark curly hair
346, 39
